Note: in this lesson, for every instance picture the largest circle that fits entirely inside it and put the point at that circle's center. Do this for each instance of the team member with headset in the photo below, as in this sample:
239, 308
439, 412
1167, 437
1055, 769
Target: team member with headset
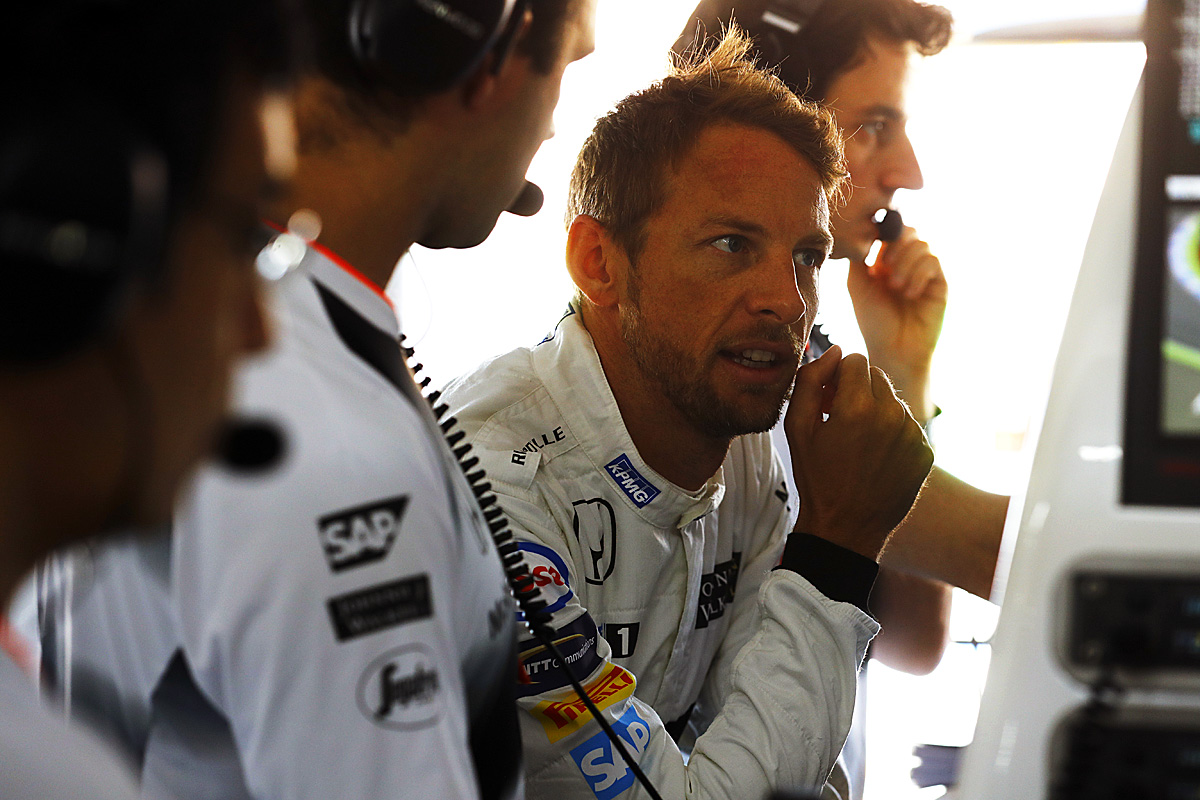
855, 55
340, 626
131, 169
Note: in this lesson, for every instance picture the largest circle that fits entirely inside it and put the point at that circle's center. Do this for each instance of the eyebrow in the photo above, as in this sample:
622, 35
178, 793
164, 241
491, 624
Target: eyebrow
820, 238
736, 223
885, 111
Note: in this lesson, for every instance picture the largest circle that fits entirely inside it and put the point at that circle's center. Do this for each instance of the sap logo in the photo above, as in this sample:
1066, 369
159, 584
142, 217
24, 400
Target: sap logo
717, 589
361, 535
602, 766
595, 527
400, 689
550, 574
631, 482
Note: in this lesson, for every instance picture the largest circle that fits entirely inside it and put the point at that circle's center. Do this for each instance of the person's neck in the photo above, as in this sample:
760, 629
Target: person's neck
60, 464
374, 201
665, 439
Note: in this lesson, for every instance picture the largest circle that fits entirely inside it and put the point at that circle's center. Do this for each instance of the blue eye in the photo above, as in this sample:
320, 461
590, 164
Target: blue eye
730, 244
808, 258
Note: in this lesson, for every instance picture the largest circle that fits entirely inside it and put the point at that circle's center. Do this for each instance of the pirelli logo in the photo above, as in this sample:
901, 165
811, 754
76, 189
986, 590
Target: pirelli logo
562, 718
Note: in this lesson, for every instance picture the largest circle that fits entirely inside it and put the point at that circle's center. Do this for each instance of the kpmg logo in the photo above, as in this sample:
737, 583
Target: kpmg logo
640, 490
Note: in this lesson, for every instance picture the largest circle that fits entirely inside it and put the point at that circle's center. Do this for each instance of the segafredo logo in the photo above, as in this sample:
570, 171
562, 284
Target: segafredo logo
640, 490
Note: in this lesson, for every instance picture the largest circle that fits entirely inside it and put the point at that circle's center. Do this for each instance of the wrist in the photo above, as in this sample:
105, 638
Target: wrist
913, 387
861, 542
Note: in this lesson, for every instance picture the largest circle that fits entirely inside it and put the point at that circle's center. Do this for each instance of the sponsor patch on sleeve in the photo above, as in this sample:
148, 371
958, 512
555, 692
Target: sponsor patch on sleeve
630, 481
550, 574
561, 718
576, 641
602, 766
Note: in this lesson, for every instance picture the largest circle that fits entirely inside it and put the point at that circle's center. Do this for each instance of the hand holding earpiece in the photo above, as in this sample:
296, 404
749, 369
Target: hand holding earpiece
900, 303
859, 457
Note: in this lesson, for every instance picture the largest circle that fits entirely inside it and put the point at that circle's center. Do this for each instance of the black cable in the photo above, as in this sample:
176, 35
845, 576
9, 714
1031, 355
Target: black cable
516, 570
548, 640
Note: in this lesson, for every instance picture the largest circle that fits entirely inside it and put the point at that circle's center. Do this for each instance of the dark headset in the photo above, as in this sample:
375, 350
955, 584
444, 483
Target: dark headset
777, 29
423, 46
83, 220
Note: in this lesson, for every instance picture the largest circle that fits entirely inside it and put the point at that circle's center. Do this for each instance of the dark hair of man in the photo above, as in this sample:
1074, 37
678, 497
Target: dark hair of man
159, 66
365, 95
833, 40
620, 175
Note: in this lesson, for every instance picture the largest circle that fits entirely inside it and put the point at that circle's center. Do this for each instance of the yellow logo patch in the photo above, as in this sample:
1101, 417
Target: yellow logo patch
564, 717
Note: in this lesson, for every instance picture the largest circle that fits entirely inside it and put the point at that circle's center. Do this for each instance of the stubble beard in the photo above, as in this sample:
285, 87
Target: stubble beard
684, 384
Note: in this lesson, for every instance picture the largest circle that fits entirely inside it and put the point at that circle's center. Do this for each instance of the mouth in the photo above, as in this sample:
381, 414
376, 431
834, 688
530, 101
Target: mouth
755, 359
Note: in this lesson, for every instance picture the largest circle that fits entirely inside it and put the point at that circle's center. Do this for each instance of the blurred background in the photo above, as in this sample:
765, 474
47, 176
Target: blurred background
1014, 140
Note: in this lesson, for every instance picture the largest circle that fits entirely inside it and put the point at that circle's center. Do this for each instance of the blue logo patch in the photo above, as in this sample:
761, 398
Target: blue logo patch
602, 766
639, 490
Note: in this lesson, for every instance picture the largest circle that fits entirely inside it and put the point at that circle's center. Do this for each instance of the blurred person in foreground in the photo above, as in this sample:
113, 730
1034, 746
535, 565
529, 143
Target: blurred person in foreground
629, 451
339, 626
132, 168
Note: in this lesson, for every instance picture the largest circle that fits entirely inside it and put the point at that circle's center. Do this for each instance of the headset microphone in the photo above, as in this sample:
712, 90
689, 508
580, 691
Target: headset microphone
528, 202
250, 444
888, 224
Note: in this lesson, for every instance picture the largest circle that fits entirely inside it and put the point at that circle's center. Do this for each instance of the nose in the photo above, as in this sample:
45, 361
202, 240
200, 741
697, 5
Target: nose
903, 171
777, 295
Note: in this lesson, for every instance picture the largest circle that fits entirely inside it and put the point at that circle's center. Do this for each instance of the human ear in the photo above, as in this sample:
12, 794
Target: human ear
593, 260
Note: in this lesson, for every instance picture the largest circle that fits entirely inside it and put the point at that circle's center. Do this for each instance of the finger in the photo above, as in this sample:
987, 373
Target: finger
926, 277
881, 384
854, 383
808, 392
906, 262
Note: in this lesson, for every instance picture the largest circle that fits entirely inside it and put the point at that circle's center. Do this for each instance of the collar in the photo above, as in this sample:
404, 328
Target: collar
324, 266
568, 366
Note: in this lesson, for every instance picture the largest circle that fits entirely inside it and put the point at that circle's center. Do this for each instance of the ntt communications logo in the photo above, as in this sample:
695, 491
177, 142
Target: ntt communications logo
640, 490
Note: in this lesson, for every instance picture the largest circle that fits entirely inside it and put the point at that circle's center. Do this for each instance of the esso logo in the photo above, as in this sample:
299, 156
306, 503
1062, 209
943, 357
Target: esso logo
550, 574
544, 576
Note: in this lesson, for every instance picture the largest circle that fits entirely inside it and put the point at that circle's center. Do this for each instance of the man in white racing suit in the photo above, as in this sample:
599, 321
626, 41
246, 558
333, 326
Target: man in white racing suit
339, 626
628, 455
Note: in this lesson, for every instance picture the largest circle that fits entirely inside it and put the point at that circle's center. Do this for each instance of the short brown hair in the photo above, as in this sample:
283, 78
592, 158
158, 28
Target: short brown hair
832, 41
619, 176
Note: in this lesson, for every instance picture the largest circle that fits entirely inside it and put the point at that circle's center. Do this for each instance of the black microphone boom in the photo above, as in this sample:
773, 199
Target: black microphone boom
528, 202
250, 445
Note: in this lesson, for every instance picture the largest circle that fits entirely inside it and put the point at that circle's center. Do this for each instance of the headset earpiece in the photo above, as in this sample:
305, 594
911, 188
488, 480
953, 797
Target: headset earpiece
83, 220
423, 46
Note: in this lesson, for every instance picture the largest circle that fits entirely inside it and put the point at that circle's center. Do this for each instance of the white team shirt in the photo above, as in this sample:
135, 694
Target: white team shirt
336, 627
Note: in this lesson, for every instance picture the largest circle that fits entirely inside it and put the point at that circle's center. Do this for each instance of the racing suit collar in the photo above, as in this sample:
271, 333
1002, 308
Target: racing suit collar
569, 367
348, 284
